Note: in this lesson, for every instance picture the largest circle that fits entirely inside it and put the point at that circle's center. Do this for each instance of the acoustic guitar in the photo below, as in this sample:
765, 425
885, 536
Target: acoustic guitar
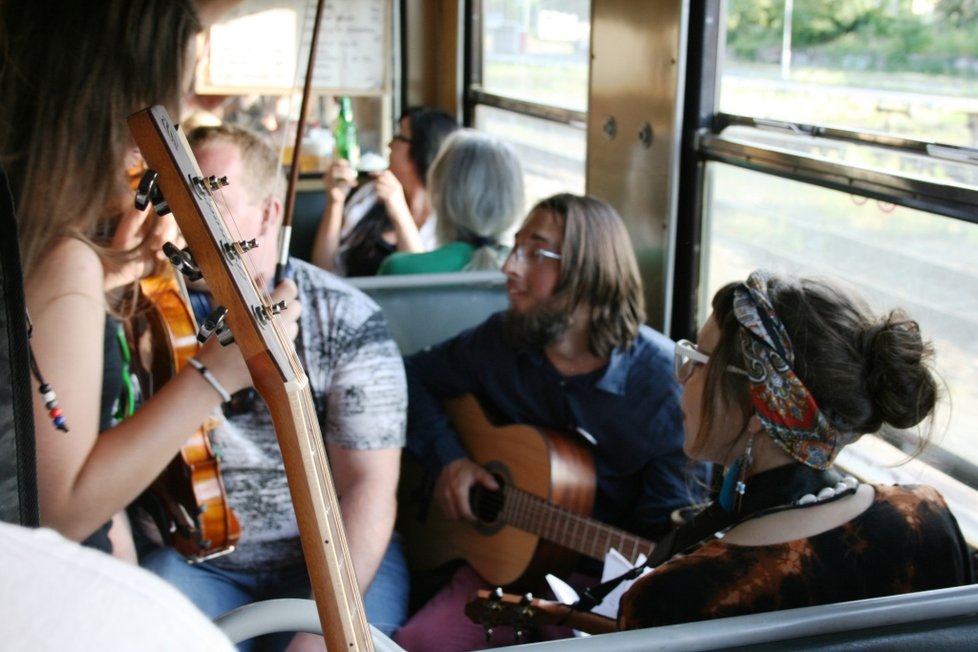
276, 371
537, 523
188, 501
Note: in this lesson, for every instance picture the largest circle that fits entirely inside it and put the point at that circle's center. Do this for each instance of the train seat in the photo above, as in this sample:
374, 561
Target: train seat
942, 619
424, 309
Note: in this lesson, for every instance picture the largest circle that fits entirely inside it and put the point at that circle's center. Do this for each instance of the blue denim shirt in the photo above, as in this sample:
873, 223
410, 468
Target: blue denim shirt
631, 408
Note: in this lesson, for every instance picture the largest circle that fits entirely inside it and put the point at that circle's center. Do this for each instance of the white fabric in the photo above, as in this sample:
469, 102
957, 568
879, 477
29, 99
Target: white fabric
361, 201
427, 232
357, 206
57, 595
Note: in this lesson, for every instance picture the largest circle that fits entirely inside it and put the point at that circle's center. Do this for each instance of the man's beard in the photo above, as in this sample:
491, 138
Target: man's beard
538, 328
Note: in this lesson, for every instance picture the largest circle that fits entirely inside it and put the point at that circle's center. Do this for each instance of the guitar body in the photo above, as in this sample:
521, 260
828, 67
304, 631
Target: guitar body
187, 501
543, 463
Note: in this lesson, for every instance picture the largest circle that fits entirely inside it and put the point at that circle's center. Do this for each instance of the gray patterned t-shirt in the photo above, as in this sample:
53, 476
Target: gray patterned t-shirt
357, 380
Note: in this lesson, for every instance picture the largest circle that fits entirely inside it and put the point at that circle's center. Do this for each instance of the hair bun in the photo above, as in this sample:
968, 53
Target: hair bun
898, 376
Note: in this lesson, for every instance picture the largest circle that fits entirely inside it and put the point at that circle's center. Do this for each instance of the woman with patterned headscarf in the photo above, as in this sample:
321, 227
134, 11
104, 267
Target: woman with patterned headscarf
786, 373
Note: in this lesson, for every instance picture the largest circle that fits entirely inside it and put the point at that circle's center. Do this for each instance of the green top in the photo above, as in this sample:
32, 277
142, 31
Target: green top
452, 257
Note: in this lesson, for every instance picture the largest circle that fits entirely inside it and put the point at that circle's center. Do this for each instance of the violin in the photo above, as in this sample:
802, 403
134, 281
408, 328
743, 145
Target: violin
188, 500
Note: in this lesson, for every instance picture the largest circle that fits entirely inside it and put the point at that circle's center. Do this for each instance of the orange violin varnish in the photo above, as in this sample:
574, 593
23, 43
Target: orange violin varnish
188, 500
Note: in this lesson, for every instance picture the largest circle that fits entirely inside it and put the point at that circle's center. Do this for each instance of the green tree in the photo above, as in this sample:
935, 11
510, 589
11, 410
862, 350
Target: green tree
754, 25
818, 22
959, 13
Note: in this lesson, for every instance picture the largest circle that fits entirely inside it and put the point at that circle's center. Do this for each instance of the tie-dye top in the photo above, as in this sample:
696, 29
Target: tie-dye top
907, 540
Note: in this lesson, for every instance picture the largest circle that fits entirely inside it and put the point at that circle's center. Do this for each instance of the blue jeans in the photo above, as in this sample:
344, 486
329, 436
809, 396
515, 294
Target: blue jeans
216, 591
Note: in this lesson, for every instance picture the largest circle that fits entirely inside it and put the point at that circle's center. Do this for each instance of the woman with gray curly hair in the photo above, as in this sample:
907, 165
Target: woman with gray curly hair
476, 189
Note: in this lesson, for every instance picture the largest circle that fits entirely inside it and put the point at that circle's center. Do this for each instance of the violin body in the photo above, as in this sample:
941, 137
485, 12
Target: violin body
188, 500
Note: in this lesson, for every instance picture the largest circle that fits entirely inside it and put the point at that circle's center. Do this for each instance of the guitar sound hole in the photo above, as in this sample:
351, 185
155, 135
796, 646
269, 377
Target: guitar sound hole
486, 504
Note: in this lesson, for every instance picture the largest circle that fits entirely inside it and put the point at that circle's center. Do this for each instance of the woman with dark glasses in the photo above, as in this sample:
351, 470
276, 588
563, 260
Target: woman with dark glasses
391, 211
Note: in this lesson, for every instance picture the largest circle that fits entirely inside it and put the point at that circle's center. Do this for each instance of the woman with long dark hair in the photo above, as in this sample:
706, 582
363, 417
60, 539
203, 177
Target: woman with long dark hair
363, 224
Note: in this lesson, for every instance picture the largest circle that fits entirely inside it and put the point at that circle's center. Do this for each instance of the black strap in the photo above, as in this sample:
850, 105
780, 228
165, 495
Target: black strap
18, 473
767, 492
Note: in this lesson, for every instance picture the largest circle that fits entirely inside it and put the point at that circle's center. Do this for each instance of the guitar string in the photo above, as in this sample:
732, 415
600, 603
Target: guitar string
535, 510
257, 279
259, 284
531, 512
355, 608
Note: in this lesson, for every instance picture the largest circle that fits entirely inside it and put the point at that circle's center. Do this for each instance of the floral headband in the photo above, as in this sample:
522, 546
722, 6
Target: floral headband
784, 405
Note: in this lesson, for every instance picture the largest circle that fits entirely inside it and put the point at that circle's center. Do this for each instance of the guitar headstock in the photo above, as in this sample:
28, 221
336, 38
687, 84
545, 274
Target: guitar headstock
221, 258
493, 609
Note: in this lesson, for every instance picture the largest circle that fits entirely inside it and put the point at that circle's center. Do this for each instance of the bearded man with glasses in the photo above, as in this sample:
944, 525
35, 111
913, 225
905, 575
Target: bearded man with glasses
571, 354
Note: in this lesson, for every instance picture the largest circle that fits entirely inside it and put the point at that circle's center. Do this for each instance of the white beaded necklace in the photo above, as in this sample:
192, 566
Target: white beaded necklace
847, 484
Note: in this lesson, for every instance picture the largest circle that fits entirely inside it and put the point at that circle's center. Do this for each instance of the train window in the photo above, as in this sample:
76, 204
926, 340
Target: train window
906, 68
893, 255
538, 54
552, 154
528, 84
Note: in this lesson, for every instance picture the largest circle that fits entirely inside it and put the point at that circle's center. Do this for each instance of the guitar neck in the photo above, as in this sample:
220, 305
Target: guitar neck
321, 530
581, 534
277, 374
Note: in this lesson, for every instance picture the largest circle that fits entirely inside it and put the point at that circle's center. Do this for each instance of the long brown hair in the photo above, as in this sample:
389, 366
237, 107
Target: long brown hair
75, 71
598, 269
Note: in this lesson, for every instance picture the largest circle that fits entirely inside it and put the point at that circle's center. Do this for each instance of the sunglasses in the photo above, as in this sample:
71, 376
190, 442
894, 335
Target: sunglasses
688, 357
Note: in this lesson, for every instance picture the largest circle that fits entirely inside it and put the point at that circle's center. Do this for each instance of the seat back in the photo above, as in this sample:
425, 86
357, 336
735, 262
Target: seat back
424, 309
941, 619
310, 202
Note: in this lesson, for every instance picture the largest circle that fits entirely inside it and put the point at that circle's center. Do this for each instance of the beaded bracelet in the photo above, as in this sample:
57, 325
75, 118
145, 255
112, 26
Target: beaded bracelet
210, 378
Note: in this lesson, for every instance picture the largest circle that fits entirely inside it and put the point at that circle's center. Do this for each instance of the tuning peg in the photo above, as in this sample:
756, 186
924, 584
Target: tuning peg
183, 260
213, 323
148, 192
233, 249
216, 183
265, 313
493, 605
225, 336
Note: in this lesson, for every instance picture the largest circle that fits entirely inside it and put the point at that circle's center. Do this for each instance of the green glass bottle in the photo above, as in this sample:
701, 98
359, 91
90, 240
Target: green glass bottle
345, 133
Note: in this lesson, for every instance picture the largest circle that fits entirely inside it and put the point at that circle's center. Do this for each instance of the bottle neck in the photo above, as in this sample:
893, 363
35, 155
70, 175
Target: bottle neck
346, 109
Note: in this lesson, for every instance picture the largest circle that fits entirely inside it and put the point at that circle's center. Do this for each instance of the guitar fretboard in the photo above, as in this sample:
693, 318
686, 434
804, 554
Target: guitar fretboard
581, 534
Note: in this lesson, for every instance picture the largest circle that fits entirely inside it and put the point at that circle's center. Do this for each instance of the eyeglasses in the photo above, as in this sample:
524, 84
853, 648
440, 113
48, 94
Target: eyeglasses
688, 357
537, 255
